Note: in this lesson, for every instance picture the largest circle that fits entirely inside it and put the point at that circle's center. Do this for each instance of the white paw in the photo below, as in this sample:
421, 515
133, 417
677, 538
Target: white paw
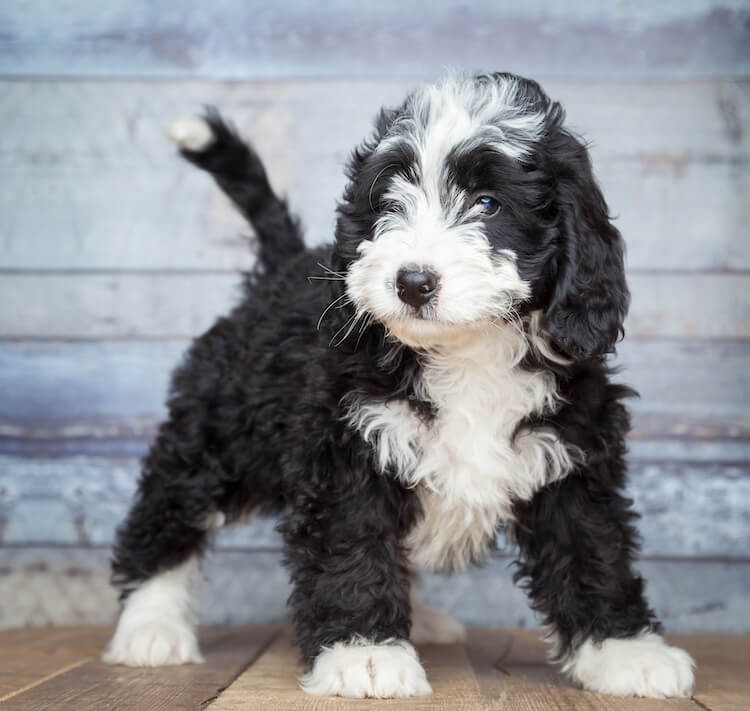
192, 133
155, 644
360, 669
157, 624
639, 666
432, 626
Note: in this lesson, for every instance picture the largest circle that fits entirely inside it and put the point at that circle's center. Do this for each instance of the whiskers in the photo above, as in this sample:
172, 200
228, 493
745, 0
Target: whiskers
509, 318
359, 318
349, 326
330, 275
339, 302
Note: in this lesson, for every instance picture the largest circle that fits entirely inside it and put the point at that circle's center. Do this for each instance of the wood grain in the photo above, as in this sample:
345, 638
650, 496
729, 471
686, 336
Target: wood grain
179, 305
722, 671
256, 667
671, 156
271, 683
29, 656
511, 669
261, 39
94, 685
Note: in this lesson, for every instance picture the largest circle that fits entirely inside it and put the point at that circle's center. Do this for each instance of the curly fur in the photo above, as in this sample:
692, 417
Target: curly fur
369, 423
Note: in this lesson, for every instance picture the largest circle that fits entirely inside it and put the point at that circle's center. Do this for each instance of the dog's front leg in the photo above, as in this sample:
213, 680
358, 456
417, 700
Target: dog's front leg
350, 599
577, 544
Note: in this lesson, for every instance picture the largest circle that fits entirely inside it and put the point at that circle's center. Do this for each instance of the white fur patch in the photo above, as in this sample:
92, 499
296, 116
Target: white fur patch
157, 624
362, 669
640, 666
440, 116
466, 464
191, 133
432, 626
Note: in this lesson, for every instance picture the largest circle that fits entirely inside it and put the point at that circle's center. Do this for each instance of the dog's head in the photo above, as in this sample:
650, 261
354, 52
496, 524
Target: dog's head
471, 205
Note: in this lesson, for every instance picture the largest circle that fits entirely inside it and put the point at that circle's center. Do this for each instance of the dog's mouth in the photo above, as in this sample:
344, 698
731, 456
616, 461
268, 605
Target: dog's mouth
422, 329
432, 325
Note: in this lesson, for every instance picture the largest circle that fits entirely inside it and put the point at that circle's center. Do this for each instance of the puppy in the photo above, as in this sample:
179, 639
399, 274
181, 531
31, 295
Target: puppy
436, 375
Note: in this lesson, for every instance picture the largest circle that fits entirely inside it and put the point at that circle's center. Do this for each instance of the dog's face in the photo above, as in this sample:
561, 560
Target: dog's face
472, 205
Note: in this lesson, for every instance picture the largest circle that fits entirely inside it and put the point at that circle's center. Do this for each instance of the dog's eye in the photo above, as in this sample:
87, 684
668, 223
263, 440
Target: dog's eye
489, 205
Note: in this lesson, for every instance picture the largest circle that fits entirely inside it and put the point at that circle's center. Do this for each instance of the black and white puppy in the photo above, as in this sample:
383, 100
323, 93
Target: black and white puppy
441, 376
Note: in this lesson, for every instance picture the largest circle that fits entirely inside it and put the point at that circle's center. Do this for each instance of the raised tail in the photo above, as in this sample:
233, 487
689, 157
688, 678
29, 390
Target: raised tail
208, 142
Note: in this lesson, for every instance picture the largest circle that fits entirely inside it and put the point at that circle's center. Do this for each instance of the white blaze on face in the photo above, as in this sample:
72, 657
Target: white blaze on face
432, 226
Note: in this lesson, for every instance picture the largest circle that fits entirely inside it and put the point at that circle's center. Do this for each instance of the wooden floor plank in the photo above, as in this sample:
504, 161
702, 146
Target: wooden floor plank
723, 671
95, 686
256, 668
512, 671
28, 656
271, 684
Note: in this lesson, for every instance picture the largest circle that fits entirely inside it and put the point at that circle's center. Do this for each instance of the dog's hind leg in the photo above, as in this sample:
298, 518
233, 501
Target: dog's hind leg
156, 559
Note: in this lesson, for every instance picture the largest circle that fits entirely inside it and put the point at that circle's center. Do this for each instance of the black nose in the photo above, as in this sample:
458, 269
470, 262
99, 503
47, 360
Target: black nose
416, 287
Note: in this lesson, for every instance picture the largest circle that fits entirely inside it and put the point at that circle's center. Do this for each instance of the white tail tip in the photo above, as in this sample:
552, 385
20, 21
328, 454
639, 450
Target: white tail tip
191, 133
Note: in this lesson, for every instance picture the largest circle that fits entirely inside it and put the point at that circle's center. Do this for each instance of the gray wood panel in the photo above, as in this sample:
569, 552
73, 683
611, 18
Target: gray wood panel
42, 586
80, 500
85, 160
170, 305
57, 390
262, 39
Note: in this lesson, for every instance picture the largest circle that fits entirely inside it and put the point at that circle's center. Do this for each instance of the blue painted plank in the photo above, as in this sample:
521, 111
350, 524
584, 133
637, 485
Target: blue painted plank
100, 390
672, 158
45, 586
80, 500
179, 305
261, 39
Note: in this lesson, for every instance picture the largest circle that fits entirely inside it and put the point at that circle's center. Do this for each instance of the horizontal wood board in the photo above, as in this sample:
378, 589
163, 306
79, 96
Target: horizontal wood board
70, 585
80, 500
29, 657
113, 390
308, 39
91, 183
179, 305
255, 667
93, 685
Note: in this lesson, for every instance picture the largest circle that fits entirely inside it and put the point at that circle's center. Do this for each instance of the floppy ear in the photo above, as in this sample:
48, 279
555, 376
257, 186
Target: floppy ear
590, 298
356, 210
355, 220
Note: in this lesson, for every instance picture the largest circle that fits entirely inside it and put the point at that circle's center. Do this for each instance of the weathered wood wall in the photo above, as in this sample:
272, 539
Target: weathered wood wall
113, 254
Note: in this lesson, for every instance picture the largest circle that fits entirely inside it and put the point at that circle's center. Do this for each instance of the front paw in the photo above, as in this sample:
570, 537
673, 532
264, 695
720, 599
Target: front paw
638, 666
153, 644
360, 668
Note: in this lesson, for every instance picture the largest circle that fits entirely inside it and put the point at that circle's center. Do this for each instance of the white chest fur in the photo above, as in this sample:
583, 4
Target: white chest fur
465, 463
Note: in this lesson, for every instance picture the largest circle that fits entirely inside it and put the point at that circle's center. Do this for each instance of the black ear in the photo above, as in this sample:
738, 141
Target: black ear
357, 212
357, 208
590, 298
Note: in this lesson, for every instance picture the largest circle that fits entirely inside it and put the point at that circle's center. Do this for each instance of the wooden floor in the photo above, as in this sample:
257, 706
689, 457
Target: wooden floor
255, 667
